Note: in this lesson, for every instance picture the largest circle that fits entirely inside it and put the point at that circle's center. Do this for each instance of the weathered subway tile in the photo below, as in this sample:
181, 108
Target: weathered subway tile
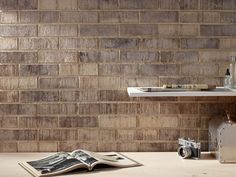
207, 69
58, 30
88, 109
108, 108
138, 82
139, 57
178, 108
49, 109
39, 70
157, 121
160, 44
20, 135
188, 4
8, 43
130, 69
8, 122
227, 43
68, 43
99, 56
169, 108
189, 17
118, 17
68, 69
134, 108
88, 69
74, 96
211, 80
106, 82
159, 17
27, 4
126, 135
9, 5
203, 135
79, 17
52, 83
201, 43
133, 4
147, 135
211, 4
18, 57
58, 57
39, 43
109, 69
57, 134
28, 146
227, 17
87, 43
47, 5
98, 30
106, 146
9, 96
39, 96
216, 56
151, 147
18, 5
119, 43
159, 70
39, 17
188, 30
124, 121
132, 147
18, 30
179, 57
78, 121
88, 4
9, 70
88, 134
8, 146
8, 17
94, 4
38, 122
138, 30
190, 122
18, 83
75, 43
211, 108
200, 17
58, 5
168, 134
169, 4
168, 30
210, 17
107, 135
191, 133
218, 30
47, 146
218, 5
87, 82
67, 5
68, 146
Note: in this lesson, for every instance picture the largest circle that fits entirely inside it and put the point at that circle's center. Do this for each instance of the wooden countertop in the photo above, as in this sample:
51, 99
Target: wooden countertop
156, 164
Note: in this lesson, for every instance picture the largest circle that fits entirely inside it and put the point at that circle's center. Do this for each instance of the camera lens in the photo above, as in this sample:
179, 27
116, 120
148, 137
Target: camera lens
184, 152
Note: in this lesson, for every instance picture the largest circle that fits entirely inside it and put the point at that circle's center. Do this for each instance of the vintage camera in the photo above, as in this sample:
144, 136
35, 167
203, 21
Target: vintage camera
189, 149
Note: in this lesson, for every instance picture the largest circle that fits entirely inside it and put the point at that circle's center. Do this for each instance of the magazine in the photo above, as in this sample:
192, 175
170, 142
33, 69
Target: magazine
63, 162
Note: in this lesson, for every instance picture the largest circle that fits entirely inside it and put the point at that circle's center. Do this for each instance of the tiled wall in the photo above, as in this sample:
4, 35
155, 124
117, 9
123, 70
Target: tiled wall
66, 64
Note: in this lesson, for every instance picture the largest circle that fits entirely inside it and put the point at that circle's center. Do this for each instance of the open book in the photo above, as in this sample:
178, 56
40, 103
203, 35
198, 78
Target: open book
63, 162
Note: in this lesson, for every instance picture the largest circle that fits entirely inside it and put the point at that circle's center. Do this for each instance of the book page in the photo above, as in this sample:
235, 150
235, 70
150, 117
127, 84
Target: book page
54, 163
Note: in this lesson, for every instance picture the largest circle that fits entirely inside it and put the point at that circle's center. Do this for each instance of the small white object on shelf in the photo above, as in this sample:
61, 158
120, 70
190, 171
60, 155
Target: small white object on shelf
160, 92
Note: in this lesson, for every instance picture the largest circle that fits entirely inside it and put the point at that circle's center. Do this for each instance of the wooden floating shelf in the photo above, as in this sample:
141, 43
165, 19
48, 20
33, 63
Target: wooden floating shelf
160, 92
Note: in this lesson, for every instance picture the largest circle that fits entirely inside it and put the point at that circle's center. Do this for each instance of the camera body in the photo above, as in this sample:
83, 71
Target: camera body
189, 149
